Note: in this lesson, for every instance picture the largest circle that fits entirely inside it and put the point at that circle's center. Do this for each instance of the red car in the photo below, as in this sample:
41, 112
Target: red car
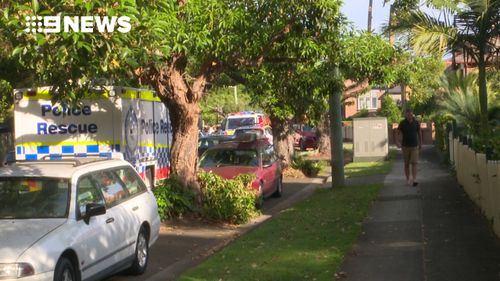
305, 139
241, 157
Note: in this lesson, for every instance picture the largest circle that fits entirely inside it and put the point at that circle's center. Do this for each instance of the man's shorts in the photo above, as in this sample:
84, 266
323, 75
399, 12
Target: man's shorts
410, 154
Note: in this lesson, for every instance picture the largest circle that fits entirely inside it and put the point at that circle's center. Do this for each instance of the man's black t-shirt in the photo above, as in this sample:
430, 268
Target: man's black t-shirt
409, 131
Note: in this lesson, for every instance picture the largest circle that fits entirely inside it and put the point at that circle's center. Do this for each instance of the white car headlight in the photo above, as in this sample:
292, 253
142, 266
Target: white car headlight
15, 270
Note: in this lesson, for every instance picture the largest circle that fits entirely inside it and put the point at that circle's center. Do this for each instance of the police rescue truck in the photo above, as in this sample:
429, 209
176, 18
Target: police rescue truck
130, 121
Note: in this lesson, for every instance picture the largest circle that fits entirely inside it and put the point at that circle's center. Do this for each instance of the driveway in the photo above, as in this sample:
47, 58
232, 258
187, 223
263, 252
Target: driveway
186, 243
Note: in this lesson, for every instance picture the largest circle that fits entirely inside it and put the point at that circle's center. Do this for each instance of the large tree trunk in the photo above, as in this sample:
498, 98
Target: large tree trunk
336, 133
182, 99
281, 139
184, 118
291, 148
323, 135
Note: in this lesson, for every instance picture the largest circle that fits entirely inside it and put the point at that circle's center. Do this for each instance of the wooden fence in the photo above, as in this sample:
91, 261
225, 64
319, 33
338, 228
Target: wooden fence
479, 178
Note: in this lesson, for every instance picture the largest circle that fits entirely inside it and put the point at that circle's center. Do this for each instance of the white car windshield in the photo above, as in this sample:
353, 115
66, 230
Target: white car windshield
233, 123
26, 198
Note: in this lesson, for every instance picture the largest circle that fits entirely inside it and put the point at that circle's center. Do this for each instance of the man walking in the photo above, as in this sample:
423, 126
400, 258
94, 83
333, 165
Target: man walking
412, 143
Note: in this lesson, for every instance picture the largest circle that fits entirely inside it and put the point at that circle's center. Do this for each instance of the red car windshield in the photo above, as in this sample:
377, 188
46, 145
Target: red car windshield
26, 198
229, 157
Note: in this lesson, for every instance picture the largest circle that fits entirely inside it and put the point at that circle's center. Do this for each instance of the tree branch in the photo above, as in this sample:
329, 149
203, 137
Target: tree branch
353, 89
262, 59
216, 110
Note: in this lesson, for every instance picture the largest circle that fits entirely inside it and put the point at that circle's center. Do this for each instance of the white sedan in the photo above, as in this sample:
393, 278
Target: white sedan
74, 220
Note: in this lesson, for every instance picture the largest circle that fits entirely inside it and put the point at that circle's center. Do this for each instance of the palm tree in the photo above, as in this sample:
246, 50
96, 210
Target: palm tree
472, 27
460, 101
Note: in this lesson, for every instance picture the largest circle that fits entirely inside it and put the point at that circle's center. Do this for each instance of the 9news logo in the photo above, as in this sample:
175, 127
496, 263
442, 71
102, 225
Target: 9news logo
85, 24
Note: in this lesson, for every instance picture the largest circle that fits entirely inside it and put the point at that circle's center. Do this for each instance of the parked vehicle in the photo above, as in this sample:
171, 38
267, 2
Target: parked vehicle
75, 219
209, 141
244, 118
305, 137
113, 119
260, 132
239, 157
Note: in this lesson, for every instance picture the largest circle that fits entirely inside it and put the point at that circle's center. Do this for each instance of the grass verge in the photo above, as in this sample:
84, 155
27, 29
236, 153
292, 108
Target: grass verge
306, 242
358, 169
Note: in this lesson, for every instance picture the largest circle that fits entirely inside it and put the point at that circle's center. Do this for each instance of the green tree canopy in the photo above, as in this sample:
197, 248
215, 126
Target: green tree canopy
176, 47
472, 27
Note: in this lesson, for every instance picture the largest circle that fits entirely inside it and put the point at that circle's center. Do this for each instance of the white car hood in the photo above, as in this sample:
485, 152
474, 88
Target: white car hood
16, 236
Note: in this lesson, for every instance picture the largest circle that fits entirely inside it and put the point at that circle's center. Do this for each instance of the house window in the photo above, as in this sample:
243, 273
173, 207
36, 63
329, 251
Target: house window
368, 100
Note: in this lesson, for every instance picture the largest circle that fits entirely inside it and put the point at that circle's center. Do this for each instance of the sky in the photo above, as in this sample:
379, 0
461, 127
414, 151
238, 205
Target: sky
357, 12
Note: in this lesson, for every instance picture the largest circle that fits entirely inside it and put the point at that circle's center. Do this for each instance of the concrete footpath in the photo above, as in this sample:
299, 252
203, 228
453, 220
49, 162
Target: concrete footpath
432, 232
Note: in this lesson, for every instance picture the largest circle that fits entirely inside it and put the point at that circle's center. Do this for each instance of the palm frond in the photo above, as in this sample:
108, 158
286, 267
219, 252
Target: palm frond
430, 35
461, 101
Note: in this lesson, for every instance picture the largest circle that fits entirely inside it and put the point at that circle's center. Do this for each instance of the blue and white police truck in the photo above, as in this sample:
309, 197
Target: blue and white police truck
130, 121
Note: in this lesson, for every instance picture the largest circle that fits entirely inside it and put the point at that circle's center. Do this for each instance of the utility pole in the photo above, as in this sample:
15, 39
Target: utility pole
336, 143
235, 94
370, 13
392, 37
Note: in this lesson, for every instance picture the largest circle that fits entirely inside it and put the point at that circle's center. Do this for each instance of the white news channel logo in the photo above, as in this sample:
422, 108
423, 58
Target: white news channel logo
85, 24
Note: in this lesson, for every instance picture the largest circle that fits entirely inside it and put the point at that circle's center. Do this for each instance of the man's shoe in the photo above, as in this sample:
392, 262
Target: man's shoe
415, 183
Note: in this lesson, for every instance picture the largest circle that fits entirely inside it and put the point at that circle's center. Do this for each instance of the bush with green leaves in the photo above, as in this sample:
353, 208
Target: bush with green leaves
390, 110
5, 100
362, 113
173, 199
231, 201
310, 168
488, 142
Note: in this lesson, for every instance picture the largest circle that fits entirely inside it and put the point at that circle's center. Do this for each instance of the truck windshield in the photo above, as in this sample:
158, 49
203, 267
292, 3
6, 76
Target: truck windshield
233, 123
26, 198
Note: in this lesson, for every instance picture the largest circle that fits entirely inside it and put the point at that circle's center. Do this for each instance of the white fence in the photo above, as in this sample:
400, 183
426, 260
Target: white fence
479, 177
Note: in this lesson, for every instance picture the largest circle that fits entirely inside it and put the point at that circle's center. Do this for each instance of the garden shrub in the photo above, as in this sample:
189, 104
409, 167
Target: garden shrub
488, 143
173, 199
231, 201
310, 168
390, 110
363, 113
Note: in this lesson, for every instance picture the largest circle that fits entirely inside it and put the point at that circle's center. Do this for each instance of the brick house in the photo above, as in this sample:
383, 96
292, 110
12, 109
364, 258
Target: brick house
371, 100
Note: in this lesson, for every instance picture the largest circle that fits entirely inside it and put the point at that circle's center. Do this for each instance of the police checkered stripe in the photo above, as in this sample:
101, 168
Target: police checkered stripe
146, 152
163, 155
140, 167
31, 152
